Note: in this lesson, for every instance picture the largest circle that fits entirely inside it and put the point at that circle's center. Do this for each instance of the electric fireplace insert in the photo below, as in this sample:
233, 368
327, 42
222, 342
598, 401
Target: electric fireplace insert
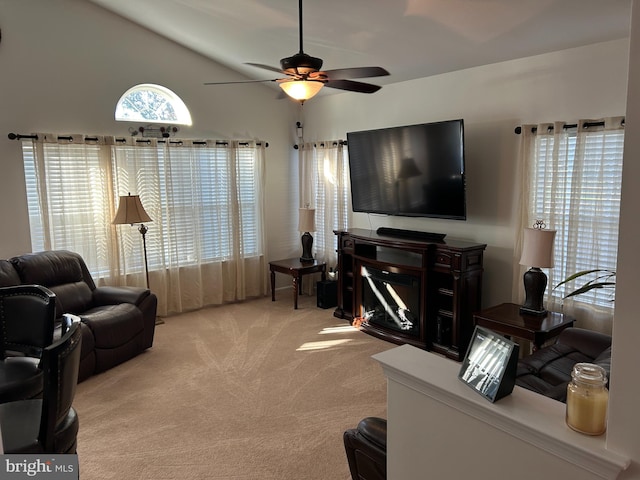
391, 300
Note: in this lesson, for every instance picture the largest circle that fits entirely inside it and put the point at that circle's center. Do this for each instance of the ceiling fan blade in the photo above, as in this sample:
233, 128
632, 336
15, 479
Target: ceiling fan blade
355, 72
352, 86
241, 81
274, 69
266, 67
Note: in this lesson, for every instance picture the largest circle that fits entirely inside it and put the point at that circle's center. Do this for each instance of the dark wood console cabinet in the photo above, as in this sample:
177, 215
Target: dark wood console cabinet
448, 275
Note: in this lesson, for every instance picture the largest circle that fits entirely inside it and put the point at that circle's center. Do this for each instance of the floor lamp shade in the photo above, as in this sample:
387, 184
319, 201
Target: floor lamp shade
306, 224
131, 211
537, 253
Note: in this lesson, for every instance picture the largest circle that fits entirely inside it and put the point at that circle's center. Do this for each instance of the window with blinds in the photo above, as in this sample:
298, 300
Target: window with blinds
198, 196
64, 209
575, 189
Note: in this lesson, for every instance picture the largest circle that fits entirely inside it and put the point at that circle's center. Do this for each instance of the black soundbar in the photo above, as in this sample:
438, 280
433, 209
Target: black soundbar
411, 234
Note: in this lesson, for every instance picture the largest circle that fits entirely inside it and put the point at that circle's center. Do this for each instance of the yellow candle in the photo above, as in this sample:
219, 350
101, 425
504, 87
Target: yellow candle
587, 400
587, 410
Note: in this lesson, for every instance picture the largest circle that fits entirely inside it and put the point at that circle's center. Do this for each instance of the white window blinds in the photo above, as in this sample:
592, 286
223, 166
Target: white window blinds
66, 189
575, 183
205, 199
325, 187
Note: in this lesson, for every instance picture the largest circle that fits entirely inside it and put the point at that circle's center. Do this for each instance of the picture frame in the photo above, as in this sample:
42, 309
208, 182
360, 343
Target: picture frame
490, 364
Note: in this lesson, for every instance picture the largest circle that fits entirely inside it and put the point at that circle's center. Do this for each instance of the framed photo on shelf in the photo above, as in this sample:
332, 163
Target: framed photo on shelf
490, 364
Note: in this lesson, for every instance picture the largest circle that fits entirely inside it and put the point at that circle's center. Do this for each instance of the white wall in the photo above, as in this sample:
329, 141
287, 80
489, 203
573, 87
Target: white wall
587, 82
624, 421
65, 63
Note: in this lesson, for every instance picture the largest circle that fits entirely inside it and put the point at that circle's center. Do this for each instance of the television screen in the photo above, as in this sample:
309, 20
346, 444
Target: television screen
414, 170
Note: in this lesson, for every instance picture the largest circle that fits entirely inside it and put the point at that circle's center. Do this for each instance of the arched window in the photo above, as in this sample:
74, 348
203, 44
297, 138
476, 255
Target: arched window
152, 103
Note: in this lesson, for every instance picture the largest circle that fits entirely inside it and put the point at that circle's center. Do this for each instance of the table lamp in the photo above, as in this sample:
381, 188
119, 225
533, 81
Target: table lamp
306, 224
537, 253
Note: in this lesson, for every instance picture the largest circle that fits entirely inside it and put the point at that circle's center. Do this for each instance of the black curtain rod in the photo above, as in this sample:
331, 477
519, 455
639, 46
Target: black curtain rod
518, 129
18, 136
341, 142
242, 144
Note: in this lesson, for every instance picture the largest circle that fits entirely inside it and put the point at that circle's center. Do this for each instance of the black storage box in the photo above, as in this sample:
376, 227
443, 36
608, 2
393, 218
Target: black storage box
327, 294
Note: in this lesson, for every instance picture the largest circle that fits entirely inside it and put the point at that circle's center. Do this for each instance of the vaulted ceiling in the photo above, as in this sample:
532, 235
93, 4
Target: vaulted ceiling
410, 38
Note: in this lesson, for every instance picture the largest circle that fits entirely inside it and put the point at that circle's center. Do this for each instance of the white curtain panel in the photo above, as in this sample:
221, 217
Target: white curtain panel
571, 179
206, 240
68, 179
324, 185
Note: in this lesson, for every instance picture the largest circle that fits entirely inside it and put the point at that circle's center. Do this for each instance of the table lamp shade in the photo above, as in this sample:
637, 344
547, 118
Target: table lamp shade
307, 220
537, 248
130, 210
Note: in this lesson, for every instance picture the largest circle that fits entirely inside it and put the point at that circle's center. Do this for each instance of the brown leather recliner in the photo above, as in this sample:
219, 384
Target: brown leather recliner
118, 323
366, 448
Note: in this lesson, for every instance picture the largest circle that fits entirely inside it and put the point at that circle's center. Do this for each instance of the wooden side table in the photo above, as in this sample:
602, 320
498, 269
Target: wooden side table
295, 268
506, 319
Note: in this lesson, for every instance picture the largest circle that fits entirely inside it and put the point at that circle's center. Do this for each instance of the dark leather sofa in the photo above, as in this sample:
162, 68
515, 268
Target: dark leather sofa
548, 370
118, 323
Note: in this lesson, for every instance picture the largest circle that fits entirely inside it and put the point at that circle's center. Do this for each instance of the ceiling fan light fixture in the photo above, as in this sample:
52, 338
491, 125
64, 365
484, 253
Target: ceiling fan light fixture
301, 90
305, 79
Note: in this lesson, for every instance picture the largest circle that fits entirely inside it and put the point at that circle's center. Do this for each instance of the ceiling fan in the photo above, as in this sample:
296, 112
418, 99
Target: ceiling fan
304, 79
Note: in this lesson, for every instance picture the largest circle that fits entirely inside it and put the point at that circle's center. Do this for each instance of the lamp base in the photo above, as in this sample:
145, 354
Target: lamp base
307, 243
535, 283
528, 311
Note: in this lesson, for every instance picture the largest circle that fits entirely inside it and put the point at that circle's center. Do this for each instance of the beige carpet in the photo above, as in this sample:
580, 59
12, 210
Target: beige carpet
255, 390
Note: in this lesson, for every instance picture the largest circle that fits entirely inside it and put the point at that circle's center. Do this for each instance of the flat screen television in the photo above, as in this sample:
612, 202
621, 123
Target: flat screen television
413, 170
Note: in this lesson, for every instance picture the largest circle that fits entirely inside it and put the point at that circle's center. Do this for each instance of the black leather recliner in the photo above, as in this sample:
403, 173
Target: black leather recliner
366, 448
118, 323
27, 315
49, 424
548, 371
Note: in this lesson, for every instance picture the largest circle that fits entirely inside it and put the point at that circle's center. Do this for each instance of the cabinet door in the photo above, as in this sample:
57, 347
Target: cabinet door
345, 307
455, 292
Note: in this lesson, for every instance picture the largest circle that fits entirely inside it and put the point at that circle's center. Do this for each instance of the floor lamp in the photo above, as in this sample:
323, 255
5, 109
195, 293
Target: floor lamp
131, 211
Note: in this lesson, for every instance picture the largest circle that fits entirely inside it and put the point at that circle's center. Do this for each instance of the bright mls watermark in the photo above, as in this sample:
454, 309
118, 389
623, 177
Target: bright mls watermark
50, 467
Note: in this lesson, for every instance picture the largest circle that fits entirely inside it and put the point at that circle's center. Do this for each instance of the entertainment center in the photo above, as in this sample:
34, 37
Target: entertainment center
404, 289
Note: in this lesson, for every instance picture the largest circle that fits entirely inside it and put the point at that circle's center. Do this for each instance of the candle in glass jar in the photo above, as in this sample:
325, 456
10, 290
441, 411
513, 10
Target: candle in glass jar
587, 399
